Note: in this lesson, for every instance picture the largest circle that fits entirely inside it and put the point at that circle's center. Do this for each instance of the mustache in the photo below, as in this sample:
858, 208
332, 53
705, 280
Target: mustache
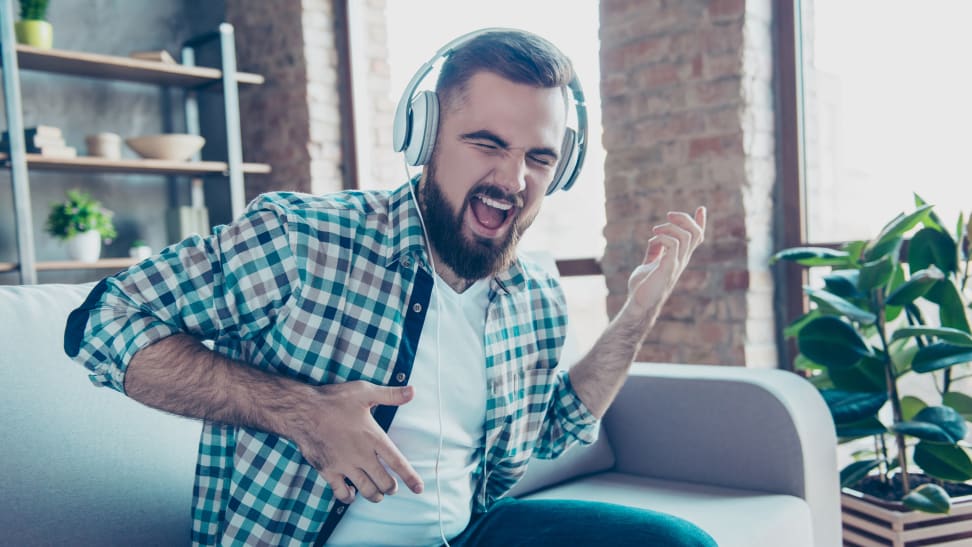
497, 193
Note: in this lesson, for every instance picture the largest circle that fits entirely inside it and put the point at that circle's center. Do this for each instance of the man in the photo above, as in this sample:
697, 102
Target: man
331, 322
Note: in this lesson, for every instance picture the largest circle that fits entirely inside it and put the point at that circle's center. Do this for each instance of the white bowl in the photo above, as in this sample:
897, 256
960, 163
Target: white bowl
170, 146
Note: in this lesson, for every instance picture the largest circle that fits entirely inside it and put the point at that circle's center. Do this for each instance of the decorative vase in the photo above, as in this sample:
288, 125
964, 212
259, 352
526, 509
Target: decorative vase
33, 32
140, 252
85, 247
868, 521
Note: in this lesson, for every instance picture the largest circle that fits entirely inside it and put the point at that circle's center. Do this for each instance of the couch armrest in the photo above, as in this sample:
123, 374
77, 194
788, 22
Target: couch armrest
753, 429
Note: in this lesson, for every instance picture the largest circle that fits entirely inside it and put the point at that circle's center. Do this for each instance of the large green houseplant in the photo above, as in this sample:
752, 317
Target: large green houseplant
881, 316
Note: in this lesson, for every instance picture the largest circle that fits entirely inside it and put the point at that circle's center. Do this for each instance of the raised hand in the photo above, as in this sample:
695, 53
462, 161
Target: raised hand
668, 252
339, 436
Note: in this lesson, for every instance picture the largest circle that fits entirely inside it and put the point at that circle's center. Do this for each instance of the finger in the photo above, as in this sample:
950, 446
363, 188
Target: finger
394, 396
376, 471
653, 252
395, 461
683, 236
701, 216
365, 485
688, 224
342, 491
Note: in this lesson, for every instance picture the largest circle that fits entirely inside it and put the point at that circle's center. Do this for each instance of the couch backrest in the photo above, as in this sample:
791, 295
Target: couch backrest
81, 465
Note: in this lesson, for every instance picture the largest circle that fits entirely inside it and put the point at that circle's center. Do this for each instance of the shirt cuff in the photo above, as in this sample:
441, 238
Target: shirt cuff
578, 420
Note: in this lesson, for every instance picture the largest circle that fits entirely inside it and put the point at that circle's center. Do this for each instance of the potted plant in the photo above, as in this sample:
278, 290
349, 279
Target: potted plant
83, 223
33, 28
881, 319
139, 250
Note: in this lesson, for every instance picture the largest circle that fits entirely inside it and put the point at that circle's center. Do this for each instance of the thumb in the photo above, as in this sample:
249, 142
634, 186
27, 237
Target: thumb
394, 396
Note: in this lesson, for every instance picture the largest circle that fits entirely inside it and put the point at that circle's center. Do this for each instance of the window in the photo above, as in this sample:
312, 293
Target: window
874, 107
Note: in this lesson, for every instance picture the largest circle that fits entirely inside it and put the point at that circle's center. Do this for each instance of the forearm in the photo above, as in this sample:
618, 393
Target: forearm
598, 376
178, 374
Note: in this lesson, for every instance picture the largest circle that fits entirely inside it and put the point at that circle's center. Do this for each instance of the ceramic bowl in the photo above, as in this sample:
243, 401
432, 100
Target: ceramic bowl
170, 146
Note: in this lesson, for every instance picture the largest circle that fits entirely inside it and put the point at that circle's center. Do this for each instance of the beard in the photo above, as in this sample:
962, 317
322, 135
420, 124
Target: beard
471, 258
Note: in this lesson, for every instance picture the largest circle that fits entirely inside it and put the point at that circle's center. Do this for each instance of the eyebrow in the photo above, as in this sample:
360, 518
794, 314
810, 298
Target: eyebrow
486, 135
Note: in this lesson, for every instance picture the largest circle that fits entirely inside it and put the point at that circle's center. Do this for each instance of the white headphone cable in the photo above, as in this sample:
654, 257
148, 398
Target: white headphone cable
438, 367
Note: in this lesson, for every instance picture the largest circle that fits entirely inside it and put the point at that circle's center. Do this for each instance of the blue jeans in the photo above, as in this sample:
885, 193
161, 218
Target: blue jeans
511, 523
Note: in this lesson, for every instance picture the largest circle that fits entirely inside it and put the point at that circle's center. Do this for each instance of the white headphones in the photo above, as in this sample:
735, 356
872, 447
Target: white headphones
417, 121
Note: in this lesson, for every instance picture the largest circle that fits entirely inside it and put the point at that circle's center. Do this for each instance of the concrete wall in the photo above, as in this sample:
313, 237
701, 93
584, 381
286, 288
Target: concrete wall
689, 120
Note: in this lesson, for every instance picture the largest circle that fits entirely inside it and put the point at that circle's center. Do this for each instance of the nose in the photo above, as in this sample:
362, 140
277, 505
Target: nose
511, 175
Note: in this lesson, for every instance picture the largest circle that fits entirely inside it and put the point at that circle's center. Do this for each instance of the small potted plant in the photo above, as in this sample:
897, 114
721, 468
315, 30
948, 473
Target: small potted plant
33, 28
83, 223
882, 317
139, 250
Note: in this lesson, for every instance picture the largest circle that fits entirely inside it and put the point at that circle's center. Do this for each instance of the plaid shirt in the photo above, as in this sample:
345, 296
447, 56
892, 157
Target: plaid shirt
327, 289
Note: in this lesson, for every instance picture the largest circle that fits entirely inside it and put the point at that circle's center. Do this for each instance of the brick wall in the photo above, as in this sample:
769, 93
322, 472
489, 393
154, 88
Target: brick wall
293, 121
688, 120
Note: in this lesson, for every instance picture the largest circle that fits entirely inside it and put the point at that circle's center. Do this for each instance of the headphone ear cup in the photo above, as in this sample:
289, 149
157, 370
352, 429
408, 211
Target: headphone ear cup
567, 164
423, 126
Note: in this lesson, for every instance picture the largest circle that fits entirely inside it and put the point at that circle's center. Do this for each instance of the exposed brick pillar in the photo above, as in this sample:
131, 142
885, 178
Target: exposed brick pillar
688, 119
293, 121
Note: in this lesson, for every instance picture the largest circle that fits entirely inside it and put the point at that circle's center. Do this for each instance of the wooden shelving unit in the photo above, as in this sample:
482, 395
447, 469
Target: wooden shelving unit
54, 265
94, 65
149, 167
226, 80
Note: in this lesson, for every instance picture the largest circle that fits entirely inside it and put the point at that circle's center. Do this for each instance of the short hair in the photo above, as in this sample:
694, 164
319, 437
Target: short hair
515, 55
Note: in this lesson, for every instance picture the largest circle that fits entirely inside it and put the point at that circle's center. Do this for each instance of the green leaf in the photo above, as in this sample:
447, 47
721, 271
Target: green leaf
918, 285
833, 303
952, 336
854, 250
853, 473
890, 237
877, 273
867, 376
831, 342
929, 498
910, 406
897, 279
794, 328
868, 427
951, 309
940, 355
847, 407
960, 402
932, 247
844, 284
947, 462
812, 256
937, 424
932, 220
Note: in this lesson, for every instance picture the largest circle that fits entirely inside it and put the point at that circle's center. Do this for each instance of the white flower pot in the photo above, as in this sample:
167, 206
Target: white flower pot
85, 247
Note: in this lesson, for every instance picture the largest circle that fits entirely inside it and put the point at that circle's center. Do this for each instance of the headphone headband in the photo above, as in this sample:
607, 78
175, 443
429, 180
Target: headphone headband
417, 116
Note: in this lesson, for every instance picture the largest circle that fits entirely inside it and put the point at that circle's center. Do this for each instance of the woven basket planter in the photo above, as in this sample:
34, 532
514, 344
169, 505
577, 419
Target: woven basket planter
871, 522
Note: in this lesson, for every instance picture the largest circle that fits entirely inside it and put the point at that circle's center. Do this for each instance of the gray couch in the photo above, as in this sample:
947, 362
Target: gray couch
746, 454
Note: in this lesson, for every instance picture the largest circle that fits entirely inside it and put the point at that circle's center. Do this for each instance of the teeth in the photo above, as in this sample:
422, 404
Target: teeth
502, 206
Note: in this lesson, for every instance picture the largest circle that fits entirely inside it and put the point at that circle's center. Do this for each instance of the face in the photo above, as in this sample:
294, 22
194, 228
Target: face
497, 149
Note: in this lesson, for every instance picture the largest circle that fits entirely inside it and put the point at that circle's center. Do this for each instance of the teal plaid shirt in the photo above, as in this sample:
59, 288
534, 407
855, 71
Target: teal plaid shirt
326, 289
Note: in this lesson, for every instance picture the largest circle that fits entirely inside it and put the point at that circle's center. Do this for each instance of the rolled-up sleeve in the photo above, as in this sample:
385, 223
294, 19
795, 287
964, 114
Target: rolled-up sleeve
231, 283
567, 421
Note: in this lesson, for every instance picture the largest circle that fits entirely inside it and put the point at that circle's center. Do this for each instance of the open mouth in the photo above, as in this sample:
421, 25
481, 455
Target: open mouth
490, 215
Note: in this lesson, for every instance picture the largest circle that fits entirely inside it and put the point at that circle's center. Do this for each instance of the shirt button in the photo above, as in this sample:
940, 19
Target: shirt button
407, 262
400, 377
340, 510
417, 308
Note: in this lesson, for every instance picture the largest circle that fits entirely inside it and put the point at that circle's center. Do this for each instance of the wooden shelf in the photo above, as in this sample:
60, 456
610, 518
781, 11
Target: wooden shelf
53, 265
114, 67
92, 164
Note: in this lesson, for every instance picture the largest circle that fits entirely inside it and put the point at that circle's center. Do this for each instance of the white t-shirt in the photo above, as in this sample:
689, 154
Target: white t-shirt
452, 340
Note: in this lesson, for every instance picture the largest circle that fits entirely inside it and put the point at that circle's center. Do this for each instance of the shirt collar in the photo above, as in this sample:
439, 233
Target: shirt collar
408, 240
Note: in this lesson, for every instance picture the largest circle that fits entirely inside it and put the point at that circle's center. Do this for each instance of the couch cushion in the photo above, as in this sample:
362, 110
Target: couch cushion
82, 465
735, 518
